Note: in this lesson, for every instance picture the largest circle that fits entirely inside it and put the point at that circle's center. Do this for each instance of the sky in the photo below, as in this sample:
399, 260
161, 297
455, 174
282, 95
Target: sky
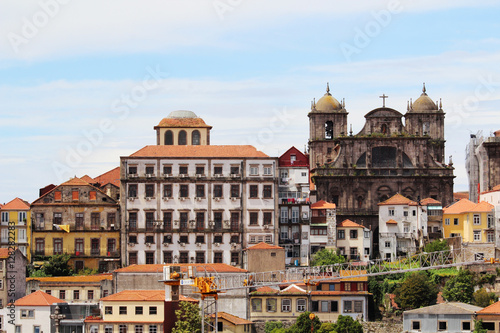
84, 82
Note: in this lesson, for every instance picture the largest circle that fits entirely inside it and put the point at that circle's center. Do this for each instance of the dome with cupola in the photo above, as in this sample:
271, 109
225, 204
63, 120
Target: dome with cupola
327, 103
423, 104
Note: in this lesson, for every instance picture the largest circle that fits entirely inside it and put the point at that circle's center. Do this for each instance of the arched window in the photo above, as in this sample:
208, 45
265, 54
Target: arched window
384, 128
329, 130
195, 138
182, 138
169, 138
384, 157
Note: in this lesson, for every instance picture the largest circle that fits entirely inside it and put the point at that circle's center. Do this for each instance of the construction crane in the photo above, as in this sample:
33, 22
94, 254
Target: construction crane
209, 283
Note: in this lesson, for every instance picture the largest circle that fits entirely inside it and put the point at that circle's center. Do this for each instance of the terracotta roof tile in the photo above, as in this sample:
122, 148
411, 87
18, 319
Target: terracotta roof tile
182, 122
38, 298
87, 179
264, 246
335, 293
78, 278
293, 289
200, 151
397, 199
112, 176
460, 195
323, 205
481, 207
235, 320
137, 295
496, 188
459, 207
349, 223
429, 201
266, 290
391, 221
16, 204
158, 268
4, 253
491, 309
75, 182
187, 299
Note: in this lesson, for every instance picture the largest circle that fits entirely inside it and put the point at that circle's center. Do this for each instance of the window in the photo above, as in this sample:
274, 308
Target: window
301, 305
235, 258
415, 325
466, 326
167, 169
405, 213
153, 310
218, 257
358, 306
235, 170
108, 310
48, 292
490, 237
75, 195
347, 286
200, 257
334, 306
139, 328
167, 221
123, 310
183, 221
150, 170
387, 244
477, 235
353, 234
138, 310
254, 191
256, 305
254, 170
367, 251
324, 306
92, 195
150, 190
132, 221
122, 328
182, 141
286, 305
490, 221
195, 139
57, 195
62, 294
57, 218
150, 257
218, 239
490, 326
235, 191
36, 329
442, 325
132, 190
254, 218
367, 234
391, 212
132, 258
150, 221
167, 257
184, 191
267, 171
169, 138
477, 219
58, 245
200, 170
218, 220
218, 170
95, 247
90, 294
217, 191
39, 246
220, 326
341, 234
200, 191
150, 239
271, 305
447, 221
347, 306
314, 306
200, 221
267, 191
108, 328
27, 313
132, 239
76, 294
183, 257
268, 218
455, 221
111, 246
183, 170
95, 222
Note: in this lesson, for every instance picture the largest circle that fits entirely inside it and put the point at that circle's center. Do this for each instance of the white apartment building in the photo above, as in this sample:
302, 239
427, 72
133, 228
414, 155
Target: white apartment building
493, 197
195, 203
402, 227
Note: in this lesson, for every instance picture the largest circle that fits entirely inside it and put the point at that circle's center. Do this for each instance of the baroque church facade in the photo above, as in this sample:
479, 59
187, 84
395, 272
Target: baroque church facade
358, 171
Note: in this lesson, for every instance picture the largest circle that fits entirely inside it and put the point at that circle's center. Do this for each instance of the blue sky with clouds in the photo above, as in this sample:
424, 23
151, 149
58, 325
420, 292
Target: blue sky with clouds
84, 82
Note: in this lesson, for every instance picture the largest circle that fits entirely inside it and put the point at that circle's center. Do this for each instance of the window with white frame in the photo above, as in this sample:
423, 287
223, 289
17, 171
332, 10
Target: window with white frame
254, 170
301, 305
268, 171
153, 328
490, 237
347, 306
5, 216
477, 219
108, 328
490, 221
271, 304
447, 221
391, 211
286, 305
387, 244
477, 235
22, 218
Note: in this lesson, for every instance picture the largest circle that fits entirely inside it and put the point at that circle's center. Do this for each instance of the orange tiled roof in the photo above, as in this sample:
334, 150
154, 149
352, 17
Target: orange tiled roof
235, 320
264, 246
462, 206
112, 176
460, 195
391, 221
4, 253
16, 204
349, 223
481, 207
199, 151
137, 295
158, 268
429, 201
75, 182
491, 309
87, 179
188, 299
323, 205
496, 188
293, 289
182, 122
38, 298
397, 199
78, 278
334, 293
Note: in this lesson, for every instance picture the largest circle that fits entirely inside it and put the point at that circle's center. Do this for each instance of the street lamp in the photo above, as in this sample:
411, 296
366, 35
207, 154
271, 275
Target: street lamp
312, 316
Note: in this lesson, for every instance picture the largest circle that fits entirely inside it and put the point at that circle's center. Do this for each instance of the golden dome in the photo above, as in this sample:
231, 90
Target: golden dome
424, 103
328, 103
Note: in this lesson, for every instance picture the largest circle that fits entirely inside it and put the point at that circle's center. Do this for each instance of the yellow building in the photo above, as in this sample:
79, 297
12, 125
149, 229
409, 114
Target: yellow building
15, 225
473, 222
227, 323
81, 220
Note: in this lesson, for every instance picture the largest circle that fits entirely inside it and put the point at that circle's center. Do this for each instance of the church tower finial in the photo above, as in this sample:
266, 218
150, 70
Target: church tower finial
407, 105
328, 88
440, 104
423, 89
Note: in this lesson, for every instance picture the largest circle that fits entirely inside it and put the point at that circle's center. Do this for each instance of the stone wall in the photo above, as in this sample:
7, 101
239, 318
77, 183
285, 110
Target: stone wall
386, 326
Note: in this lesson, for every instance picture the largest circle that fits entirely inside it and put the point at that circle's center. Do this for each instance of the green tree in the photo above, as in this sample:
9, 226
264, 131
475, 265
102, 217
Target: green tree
478, 327
58, 265
327, 328
375, 287
188, 318
270, 326
437, 245
459, 288
416, 291
345, 324
326, 257
483, 298
303, 324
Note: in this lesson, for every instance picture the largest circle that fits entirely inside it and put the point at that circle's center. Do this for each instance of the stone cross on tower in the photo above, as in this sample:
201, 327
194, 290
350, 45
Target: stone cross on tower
56, 317
383, 99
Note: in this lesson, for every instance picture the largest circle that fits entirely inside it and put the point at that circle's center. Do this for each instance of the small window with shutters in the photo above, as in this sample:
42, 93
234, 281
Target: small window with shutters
93, 195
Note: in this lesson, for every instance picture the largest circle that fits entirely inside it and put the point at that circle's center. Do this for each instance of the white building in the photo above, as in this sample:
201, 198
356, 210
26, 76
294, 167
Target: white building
354, 241
402, 227
32, 314
195, 203
493, 197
